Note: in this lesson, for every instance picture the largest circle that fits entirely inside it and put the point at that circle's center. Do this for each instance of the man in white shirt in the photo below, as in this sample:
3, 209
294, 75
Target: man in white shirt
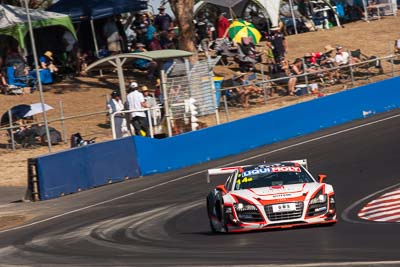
342, 57
136, 101
114, 105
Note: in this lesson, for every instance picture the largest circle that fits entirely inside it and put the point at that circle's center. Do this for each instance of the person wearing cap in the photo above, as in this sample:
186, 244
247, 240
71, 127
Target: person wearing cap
342, 57
163, 21
135, 101
114, 105
204, 30
278, 43
245, 88
47, 62
144, 64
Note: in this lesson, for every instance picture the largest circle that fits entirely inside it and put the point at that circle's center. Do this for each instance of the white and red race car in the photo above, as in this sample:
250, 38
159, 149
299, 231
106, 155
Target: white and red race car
269, 195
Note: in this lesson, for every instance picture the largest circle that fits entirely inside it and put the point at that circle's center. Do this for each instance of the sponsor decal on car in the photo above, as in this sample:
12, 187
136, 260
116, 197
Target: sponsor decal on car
286, 169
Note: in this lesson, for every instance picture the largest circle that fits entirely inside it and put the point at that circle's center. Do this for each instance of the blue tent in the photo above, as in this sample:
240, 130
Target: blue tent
79, 10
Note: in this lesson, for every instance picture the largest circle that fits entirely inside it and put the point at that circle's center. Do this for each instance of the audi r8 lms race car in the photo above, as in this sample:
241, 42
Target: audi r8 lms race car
269, 195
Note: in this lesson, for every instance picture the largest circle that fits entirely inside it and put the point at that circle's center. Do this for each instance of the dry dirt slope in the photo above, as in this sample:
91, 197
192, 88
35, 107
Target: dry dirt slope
88, 94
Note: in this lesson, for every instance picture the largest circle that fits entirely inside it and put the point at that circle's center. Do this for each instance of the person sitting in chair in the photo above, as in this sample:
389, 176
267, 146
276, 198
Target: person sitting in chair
143, 64
47, 62
397, 46
245, 89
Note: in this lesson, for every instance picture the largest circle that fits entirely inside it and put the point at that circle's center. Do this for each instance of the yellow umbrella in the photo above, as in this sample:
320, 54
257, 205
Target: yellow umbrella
241, 28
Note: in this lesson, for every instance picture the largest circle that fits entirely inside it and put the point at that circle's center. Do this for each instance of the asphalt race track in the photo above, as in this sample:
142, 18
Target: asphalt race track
161, 220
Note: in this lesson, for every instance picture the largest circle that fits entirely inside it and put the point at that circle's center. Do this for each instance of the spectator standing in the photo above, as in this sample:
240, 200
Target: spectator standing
111, 34
155, 43
136, 101
204, 31
162, 21
152, 104
69, 42
222, 25
277, 42
114, 105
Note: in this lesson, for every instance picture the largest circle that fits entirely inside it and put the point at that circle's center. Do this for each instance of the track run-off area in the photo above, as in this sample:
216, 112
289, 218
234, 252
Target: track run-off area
161, 220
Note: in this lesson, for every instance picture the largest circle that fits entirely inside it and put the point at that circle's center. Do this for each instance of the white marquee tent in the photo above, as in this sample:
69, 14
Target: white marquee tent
270, 8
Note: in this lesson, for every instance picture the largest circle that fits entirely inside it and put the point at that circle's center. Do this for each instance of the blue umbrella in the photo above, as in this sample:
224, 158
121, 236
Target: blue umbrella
17, 112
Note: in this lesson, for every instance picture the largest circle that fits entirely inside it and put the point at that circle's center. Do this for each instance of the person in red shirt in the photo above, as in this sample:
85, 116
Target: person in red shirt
222, 25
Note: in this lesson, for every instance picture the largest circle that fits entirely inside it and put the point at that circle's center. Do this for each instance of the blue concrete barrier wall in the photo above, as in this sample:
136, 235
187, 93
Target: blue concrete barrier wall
238, 136
97, 164
86, 167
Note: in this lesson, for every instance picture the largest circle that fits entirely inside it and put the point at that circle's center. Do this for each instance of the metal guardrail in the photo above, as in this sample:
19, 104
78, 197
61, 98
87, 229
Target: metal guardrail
147, 110
264, 82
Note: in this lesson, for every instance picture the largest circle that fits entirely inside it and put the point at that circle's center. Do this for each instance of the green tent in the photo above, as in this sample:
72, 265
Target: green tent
14, 21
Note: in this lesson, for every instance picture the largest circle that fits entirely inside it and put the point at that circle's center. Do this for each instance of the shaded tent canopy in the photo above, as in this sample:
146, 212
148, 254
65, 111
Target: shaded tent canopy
116, 62
128, 58
14, 21
80, 10
270, 8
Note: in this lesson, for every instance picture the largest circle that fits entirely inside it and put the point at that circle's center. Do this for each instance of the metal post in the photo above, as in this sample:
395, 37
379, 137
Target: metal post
149, 122
392, 62
64, 133
121, 79
166, 104
213, 90
293, 17
38, 75
11, 130
264, 84
114, 134
189, 76
226, 109
352, 74
365, 10
305, 73
96, 47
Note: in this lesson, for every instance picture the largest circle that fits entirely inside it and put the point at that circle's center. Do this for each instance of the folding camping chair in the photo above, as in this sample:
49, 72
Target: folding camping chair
19, 81
375, 64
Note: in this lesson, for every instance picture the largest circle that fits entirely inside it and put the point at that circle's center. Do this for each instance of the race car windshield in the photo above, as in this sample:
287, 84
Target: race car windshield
271, 176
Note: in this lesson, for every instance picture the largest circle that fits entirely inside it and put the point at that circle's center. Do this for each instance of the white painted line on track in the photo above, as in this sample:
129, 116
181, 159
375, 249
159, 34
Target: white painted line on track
319, 264
196, 173
363, 213
346, 212
379, 205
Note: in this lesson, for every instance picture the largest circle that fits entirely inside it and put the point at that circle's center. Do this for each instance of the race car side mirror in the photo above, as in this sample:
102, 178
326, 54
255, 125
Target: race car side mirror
221, 188
322, 177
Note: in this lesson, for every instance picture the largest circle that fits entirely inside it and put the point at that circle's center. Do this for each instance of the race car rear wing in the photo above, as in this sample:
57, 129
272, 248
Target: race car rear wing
223, 170
302, 162
228, 170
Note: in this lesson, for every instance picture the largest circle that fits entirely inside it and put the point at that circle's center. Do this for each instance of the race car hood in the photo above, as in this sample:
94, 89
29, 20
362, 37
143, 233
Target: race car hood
286, 192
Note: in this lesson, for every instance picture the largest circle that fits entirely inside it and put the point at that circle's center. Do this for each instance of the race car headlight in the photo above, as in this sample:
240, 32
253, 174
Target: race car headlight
244, 207
319, 199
